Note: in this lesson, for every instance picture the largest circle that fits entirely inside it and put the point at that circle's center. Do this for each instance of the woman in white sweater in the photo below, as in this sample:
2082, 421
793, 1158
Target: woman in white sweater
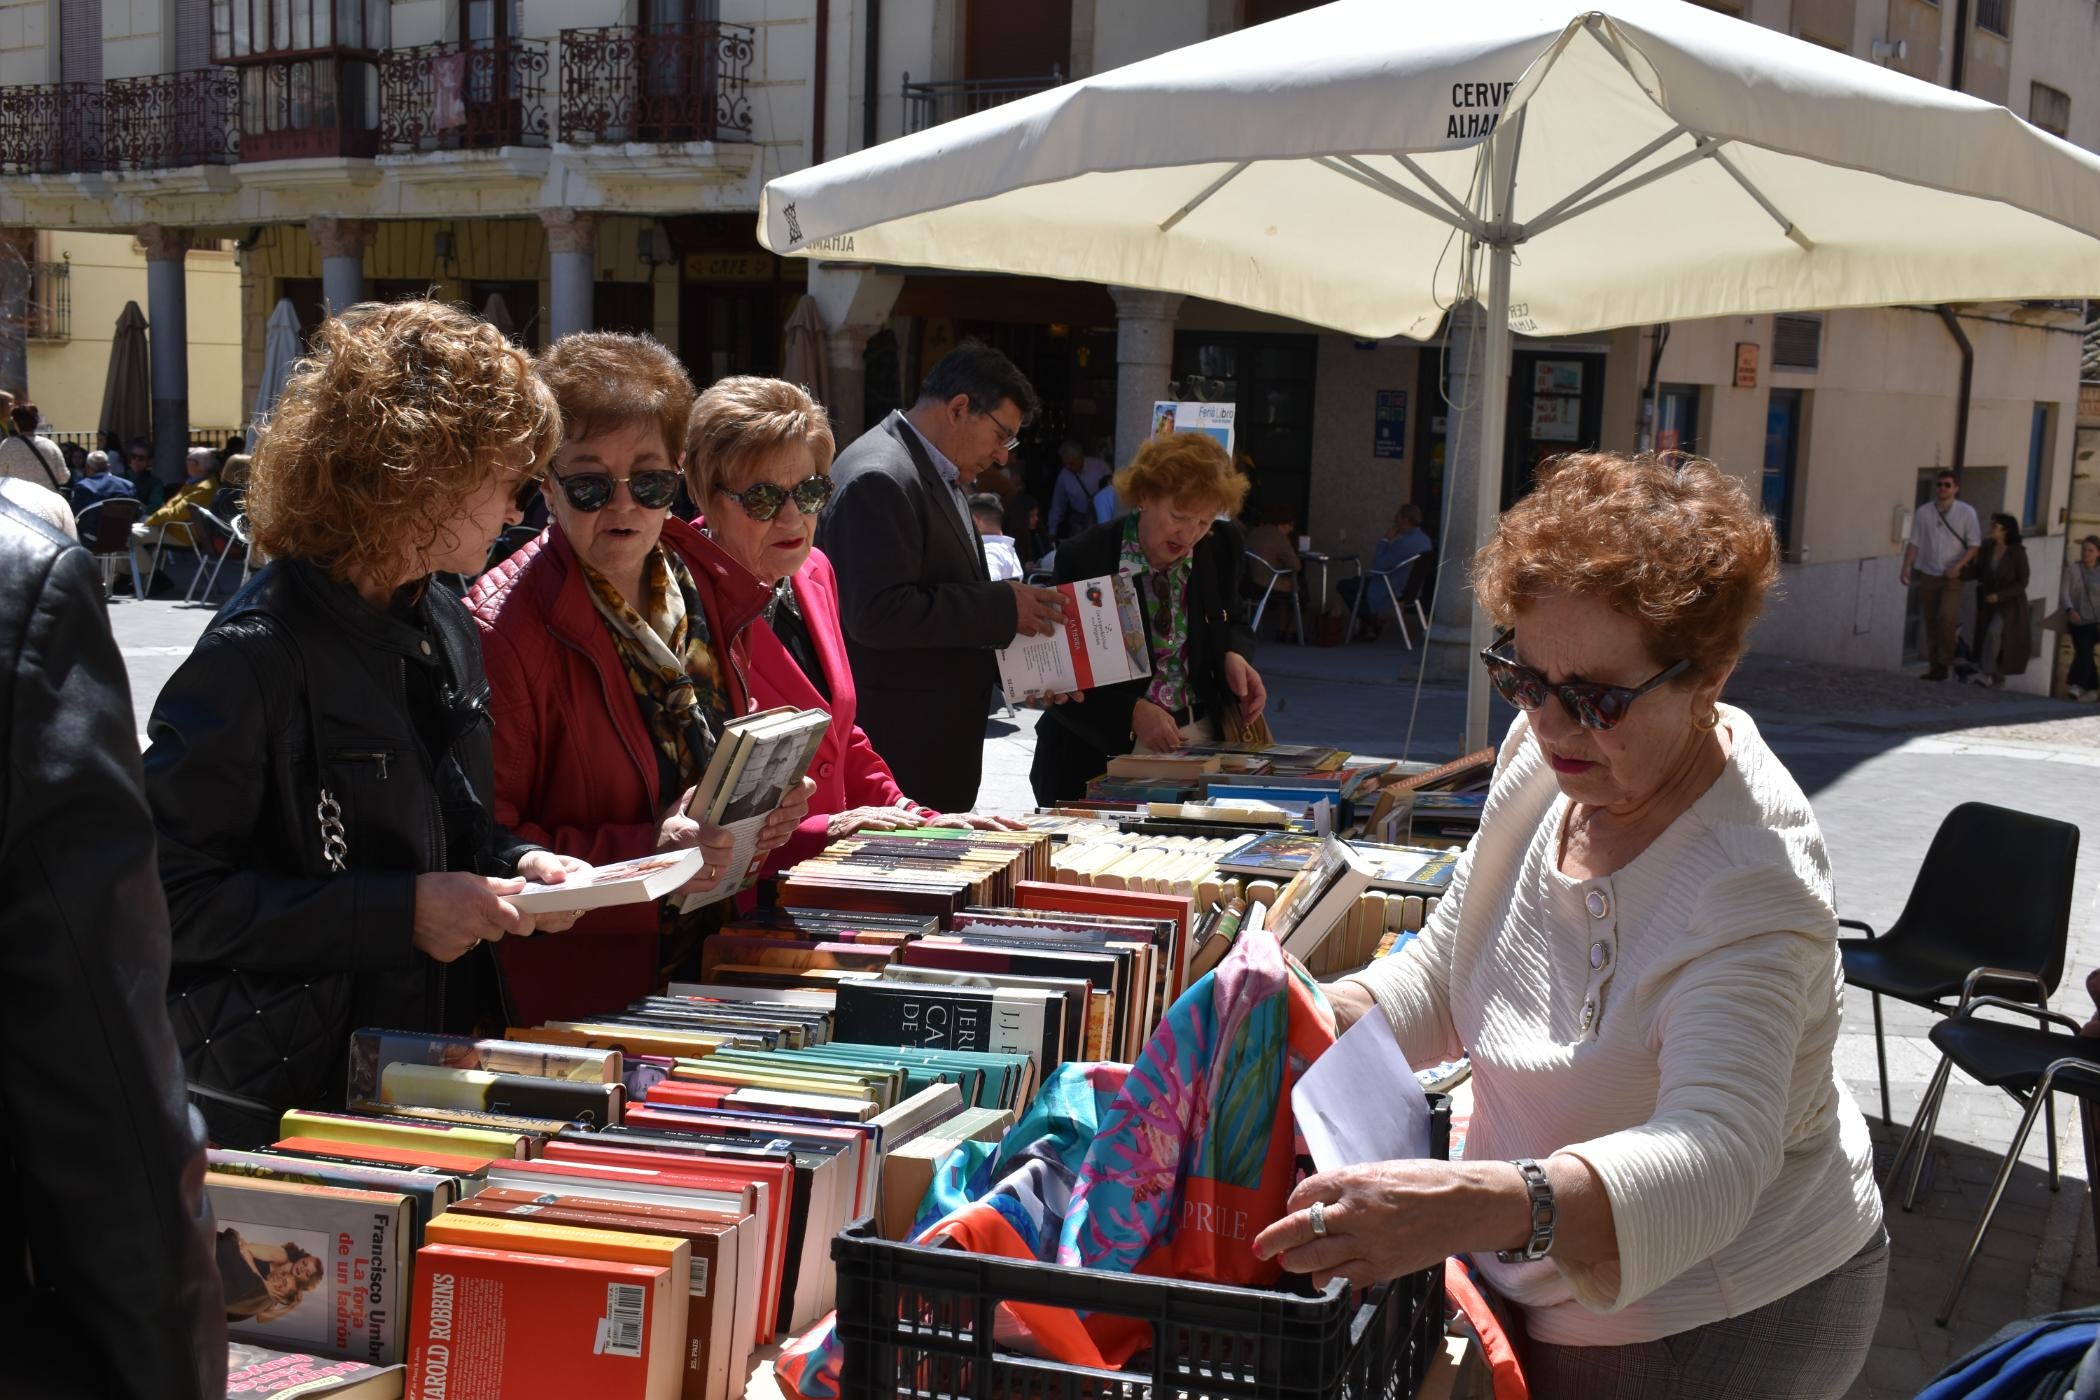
1665, 1176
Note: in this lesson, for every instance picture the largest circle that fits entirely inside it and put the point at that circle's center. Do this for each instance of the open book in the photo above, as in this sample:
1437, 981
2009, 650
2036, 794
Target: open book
761, 758
1102, 642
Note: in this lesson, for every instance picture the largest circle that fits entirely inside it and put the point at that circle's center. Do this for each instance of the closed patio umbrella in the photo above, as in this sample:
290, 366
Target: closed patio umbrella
1573, 166
802, 359
496, 311
281, 351
127, 391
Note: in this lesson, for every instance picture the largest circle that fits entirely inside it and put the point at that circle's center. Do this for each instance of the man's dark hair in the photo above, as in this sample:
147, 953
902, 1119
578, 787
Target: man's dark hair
24, 416
1411, 514
1947, 476
976, 369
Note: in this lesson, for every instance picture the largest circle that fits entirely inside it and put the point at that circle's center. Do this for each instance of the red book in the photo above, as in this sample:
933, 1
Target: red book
688, 1092
409, 1158
496, 1324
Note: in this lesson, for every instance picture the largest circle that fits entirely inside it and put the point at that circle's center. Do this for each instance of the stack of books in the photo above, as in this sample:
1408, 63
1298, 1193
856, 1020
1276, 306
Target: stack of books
930, 871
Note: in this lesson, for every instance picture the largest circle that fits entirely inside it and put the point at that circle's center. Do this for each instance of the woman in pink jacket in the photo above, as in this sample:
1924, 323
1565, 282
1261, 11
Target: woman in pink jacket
758, 461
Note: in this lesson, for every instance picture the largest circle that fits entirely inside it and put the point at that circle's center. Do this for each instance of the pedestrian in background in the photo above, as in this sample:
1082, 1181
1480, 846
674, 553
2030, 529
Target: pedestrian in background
999, 556
2079, 599
2001, 604
923, 614
26, 454
1071, 504
1944, 537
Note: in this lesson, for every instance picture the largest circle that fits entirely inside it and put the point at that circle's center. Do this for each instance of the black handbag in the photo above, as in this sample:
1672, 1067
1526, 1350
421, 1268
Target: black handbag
255, 1043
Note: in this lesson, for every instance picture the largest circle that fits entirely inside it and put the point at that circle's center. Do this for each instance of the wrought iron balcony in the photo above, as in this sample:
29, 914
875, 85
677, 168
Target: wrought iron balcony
172, 120
52, 129
931, 103
683, 82
472, 96
308, 106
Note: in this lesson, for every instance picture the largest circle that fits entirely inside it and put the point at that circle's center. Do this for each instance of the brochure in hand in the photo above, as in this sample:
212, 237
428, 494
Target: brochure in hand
1102, 642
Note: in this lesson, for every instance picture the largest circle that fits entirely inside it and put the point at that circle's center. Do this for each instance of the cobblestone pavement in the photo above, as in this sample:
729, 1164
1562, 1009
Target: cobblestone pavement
1883, 757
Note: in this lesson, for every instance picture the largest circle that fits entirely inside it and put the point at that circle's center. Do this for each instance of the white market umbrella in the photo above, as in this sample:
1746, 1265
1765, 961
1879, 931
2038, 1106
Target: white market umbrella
281, 350
1359, 166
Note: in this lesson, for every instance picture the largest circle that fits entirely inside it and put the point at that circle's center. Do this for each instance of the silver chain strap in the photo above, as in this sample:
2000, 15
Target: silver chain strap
334, 848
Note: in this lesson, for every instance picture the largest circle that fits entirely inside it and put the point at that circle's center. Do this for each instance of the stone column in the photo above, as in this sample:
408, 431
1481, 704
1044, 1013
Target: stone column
342, 244
846, 351
17, 249
1144, 362
1451, 616
572, 270
168, 341
854, 303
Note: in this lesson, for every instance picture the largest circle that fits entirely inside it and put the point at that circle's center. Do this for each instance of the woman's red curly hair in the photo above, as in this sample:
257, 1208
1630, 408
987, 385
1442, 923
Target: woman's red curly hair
1670, 540
1185, 468
398, 415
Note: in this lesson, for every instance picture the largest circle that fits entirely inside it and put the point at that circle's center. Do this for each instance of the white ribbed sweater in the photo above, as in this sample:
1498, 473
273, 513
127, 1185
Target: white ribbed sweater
1672, 1025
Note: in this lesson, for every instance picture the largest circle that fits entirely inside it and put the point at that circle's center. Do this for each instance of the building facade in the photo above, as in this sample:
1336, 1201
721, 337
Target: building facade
598, 163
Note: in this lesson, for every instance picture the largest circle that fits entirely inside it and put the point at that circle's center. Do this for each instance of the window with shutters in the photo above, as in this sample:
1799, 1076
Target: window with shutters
1995, 17
80, 41
2049, 108
1797, 342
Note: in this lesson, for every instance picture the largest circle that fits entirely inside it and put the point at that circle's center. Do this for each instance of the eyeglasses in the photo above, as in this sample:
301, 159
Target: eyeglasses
591, 492
1944, 485
1594, 706
763, 500
1012, 435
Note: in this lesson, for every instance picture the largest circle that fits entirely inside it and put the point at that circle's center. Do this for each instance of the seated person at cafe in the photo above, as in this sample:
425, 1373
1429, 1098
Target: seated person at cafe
148, 542
1275, 543
96, 482
1404, 541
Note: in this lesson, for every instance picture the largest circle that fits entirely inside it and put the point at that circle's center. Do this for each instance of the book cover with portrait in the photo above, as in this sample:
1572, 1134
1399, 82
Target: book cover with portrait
317, 1269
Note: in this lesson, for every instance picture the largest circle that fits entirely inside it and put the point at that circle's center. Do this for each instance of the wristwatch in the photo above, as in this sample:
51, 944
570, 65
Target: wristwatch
1543, 1214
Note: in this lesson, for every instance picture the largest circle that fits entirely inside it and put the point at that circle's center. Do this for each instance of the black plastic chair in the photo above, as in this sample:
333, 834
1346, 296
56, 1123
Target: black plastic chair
2028, 1062
1989, 911
105, 529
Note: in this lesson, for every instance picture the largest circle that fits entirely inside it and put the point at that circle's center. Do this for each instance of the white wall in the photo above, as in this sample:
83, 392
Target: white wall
28, 42
1128, 30
2058, 42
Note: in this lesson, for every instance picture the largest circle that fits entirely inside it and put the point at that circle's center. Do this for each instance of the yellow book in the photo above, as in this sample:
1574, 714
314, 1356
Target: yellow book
837, 1086
394, 1132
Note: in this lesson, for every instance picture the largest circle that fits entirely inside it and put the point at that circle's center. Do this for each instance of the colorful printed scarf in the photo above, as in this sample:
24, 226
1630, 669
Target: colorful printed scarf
670, 659
1168, 1167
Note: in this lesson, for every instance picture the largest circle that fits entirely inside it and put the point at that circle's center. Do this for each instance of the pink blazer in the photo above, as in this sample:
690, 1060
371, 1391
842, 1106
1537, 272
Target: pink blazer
847, 770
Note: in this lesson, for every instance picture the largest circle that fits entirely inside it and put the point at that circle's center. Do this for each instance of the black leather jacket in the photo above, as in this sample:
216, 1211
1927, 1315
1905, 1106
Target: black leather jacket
107, 1281
297, 686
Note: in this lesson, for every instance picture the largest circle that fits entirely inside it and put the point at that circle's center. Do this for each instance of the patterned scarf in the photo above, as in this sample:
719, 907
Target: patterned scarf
670, 660
1167, 617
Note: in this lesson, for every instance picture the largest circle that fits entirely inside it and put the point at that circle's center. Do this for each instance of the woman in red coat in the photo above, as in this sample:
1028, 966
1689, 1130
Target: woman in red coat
757, 460
617, 645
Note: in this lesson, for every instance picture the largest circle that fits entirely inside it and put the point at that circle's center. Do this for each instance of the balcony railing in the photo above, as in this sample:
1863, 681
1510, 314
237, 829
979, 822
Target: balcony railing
171, 121
472, 96
682, 82
53, 129
309, 107
931, 103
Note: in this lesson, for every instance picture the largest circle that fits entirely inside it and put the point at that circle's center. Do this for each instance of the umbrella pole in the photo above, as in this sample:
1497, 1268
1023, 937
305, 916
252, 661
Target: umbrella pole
1494, 400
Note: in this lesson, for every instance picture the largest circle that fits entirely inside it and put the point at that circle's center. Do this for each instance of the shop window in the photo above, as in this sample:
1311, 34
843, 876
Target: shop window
1786, 416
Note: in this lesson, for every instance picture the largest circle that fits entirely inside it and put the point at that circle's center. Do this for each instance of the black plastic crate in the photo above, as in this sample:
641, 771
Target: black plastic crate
917, 1324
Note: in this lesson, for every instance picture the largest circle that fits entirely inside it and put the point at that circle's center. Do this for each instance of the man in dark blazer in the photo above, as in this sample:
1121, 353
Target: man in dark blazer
923, 615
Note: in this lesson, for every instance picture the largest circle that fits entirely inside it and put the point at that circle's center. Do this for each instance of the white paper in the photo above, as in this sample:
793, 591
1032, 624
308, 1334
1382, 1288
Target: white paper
1360, 1102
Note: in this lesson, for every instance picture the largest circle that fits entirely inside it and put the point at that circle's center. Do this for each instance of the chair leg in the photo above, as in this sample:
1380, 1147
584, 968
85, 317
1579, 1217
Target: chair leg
1356, 605
138, 585
1399, 616
2049, 1123
1421, 617
1262, 607
1990, 1206
1881, 1061
1298, 616
1919, 1138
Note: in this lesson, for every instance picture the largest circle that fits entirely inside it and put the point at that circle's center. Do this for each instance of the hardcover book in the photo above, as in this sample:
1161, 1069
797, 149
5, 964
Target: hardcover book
1102, 642
265, 1373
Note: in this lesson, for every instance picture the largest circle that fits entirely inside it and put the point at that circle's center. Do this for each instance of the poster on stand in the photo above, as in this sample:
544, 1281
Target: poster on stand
1213, 418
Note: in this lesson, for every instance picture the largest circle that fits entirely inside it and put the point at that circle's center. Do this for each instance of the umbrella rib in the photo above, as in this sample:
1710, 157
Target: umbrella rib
1548, 216
1393, 189
1408, 162
1786, 225
1208, 190
1708, 147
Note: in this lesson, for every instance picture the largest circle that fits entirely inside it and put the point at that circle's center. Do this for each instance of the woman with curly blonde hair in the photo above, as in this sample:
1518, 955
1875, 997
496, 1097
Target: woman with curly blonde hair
1665, 1176
1184, 558
320, 766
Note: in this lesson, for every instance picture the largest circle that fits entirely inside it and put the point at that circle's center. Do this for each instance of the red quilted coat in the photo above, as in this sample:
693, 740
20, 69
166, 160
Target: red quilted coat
575, 768
847, 770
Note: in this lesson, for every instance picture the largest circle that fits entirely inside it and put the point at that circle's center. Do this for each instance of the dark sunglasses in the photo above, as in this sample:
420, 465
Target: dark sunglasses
763, 500
591, 492
1594, 706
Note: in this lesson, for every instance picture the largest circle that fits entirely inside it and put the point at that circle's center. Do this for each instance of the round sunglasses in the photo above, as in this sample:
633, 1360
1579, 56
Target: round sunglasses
591, 492
1594, 706
763, 500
